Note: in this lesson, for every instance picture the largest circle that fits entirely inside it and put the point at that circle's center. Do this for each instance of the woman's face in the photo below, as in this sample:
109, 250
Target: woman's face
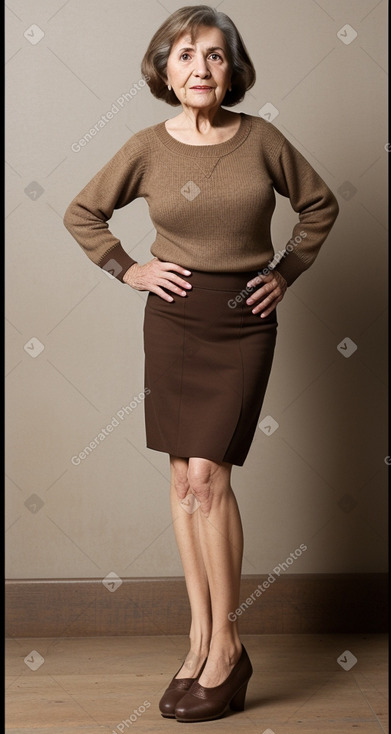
199, 74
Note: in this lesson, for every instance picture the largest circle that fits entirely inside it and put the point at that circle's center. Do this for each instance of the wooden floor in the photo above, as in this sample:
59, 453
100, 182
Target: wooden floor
113, 684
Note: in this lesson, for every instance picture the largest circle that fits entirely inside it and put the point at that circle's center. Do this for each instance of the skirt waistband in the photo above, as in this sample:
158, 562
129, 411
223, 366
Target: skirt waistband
220, 281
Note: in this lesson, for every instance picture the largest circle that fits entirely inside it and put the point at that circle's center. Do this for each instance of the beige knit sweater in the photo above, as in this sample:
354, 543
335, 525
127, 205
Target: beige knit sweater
211, 205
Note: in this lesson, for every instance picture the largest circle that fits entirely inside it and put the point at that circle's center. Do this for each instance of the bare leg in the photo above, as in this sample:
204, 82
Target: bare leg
221, 548
186, 527
210, 542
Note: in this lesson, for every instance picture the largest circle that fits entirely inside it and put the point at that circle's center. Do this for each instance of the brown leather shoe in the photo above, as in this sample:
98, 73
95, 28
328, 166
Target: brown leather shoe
175, 691
204, 704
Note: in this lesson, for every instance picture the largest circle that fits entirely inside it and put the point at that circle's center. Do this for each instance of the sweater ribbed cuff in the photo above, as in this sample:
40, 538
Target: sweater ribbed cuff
291, 267
116, 262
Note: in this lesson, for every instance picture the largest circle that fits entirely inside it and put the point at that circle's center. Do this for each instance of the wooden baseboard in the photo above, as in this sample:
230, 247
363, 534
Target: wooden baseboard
293, 603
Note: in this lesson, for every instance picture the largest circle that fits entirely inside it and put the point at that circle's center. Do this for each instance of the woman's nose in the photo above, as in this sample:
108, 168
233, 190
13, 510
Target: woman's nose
201, 68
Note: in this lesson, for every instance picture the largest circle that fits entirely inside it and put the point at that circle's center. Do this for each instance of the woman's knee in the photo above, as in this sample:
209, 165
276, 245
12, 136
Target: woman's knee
179, 469
207, 477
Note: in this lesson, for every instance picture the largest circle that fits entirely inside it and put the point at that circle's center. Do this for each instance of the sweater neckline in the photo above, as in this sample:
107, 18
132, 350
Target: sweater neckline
198, 151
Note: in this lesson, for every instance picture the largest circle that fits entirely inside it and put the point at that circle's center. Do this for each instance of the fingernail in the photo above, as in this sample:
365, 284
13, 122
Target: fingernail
187, 272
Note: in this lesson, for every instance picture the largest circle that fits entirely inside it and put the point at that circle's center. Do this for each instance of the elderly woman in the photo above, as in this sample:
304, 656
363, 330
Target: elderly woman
209, 176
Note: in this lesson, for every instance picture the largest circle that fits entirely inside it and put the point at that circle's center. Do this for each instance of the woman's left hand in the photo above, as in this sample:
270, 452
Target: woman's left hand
271, 292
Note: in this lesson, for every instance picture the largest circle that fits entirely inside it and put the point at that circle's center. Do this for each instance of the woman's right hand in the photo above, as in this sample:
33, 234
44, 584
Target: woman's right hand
156, 275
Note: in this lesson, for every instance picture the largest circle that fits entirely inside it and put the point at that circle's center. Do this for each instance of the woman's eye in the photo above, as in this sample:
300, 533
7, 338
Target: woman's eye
214, 56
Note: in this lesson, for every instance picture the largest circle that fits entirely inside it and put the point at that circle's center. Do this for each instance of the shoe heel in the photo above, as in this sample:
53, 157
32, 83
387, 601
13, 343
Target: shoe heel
237, 702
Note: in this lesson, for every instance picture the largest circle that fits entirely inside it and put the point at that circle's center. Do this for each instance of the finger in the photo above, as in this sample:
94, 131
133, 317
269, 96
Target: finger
160, 292
258, 280
177, 268
268, 311
167, 269
164, 283
259, 293
268, 287
272, 307
177, 280
271, 299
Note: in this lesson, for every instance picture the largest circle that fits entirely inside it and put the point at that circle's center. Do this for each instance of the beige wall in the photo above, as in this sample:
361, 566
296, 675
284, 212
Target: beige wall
320, 478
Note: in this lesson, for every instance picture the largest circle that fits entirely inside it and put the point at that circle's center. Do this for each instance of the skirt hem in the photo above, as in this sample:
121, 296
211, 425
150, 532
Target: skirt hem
197, 455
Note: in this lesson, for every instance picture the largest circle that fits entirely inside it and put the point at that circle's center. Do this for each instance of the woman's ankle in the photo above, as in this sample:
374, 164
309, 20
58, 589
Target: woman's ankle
228, 648
192, 664
200, 644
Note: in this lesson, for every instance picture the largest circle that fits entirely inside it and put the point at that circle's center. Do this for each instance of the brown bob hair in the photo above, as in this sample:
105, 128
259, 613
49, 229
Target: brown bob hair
154, 63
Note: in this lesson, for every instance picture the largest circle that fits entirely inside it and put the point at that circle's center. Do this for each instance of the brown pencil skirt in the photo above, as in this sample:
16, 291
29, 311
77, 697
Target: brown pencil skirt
207, 364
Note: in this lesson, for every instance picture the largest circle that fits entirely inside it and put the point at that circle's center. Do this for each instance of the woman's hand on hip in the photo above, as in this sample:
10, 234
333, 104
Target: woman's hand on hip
156, 275
271, 291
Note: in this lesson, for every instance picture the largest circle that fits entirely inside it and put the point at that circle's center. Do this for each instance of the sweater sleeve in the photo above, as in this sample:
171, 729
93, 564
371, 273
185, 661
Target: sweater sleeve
316, 205
118, 183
